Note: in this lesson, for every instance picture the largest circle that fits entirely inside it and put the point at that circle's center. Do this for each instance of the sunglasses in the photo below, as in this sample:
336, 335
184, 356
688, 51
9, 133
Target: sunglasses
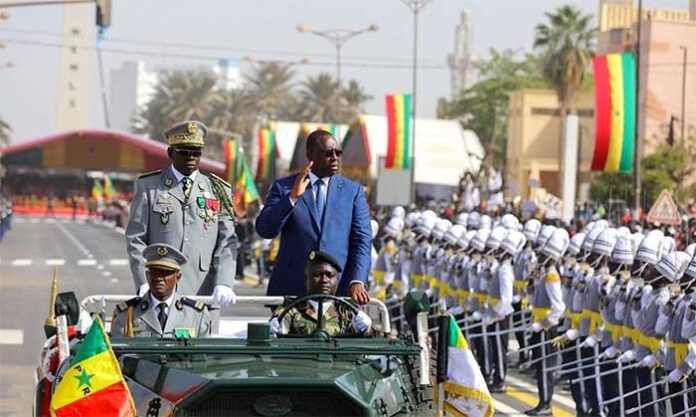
331, 152
186, 153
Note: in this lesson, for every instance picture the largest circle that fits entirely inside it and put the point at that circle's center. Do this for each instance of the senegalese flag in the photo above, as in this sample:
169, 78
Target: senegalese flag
109, 190
93, 385
615, 112
245, 189
398, 131
464, 389
97, 190
268, 153
234, 158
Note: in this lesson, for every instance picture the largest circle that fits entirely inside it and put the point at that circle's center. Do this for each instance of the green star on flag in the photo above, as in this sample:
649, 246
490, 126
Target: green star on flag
84, 378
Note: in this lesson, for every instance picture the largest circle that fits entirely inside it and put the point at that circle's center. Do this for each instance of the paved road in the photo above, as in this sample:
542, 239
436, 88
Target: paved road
91, 259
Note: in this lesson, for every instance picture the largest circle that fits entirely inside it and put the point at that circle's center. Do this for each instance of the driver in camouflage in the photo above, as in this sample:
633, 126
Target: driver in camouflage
321, 277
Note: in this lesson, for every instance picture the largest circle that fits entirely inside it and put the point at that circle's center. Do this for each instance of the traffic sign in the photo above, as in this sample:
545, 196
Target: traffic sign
665, 210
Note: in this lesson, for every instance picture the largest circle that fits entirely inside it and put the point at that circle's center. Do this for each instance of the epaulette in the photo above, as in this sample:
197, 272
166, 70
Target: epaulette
149, 174
217, 178
130, 303
198, 305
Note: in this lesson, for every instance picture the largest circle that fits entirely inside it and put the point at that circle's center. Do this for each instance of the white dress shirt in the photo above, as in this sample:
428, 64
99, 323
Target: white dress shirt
179, 176
155, 303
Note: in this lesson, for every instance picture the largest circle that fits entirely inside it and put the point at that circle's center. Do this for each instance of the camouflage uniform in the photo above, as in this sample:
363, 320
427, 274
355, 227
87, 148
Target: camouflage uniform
302, 320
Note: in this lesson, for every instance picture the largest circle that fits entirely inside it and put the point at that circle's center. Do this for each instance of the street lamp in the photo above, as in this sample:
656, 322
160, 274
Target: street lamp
338, 38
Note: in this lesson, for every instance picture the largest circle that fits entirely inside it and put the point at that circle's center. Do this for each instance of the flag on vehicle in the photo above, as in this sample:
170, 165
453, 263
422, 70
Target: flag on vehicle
109, 190
615, 112
93, 385
268, 153
398, 131
459, 378
97, 190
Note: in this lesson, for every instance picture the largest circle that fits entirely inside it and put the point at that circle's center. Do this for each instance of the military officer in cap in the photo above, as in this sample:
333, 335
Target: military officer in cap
189, 210
321, 277
161, 311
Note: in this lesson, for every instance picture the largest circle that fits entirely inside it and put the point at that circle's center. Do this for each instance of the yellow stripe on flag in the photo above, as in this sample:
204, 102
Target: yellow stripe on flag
87, 377
617, 117
399, 119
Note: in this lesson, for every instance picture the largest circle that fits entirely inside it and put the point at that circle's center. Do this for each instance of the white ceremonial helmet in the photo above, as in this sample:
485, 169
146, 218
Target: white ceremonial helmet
513, 243
605, 242
673, 265
624, 250
576, 243
496, 237
478, 242
454, 234
557, 244
510, 222
531, 229
462, 219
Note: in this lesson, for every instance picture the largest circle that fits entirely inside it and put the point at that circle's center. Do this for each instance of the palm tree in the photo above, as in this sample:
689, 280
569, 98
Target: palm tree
5, 131
566, 45
231, 117
318, 99
270, 89
178, 96
355, 98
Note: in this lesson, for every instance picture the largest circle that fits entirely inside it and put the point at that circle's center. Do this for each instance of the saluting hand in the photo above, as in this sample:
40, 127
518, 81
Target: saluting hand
301, 182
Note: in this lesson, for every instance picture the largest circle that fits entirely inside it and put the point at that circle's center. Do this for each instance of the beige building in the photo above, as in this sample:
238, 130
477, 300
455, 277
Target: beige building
534, 133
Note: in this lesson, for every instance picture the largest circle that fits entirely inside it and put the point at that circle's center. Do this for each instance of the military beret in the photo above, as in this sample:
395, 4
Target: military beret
316, 257
186, 134
163, 256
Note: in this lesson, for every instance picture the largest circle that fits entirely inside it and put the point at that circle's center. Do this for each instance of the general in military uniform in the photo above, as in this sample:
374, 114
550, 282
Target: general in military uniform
161, 311
321, 277
190, 211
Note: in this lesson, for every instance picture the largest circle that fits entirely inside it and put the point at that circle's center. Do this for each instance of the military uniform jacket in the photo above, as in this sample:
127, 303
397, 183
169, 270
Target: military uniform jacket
198, 226
648, 320
183, 314
303, 320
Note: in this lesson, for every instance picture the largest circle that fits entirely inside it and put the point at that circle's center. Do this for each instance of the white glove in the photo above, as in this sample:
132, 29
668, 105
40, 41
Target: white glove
276, 328
627, 356
476, 316
516, 299
572, 334
456, 310
609, 353
488, 320
223, 295
590, 342
649, 361
675, 376
143, 289
361, 322
84, 323
536, 327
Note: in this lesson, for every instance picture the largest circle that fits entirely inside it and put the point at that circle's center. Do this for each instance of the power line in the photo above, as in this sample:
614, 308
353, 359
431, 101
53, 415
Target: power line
202, 47
161, 54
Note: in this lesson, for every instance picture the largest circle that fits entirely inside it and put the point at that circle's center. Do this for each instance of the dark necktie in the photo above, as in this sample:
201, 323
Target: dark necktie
186, 184
162, 316
321, 200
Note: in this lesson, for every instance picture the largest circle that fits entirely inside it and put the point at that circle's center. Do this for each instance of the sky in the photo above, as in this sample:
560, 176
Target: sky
264, 29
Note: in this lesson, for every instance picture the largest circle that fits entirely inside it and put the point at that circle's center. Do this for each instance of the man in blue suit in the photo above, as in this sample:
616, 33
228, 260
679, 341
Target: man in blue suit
318, 210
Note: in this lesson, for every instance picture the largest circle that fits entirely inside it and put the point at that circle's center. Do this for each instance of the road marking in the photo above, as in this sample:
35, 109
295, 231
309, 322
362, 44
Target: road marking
106, 273
72, 238
34, 220
86, 262
22, 262
55, 262
532, 401
11, 337
114, 280
118, 262
532, 388
49, 221
100, 267
19, 220
501, 407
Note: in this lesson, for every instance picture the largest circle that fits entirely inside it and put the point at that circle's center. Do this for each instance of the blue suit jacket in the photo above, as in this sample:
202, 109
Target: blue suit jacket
345, 233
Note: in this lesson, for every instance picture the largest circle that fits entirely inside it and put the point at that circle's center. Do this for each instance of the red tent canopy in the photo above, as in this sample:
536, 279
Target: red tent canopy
93, 149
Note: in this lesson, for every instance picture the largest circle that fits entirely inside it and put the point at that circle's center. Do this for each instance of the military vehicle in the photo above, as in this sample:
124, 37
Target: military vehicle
258, 374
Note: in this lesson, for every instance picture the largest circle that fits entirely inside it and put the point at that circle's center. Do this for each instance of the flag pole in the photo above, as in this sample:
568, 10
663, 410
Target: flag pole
636, 137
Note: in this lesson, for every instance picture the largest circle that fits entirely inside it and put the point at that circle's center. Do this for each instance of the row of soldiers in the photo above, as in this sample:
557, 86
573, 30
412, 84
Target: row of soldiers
612, 312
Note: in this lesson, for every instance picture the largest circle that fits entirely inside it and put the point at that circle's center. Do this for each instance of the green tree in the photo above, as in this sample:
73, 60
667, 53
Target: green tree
179, 96
483, 107
566, 43
231, 117
355, 98
269, 86
5, 132
317, 99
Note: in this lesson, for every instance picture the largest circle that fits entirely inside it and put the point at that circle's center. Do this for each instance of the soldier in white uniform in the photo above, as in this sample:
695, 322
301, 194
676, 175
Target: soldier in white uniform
190, 211
161, 311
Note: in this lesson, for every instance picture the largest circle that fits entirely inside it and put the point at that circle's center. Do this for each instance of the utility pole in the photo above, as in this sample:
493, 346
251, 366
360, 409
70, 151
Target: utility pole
636, 137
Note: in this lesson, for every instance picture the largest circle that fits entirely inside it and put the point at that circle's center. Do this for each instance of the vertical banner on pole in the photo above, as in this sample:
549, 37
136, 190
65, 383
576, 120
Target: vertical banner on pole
570, 162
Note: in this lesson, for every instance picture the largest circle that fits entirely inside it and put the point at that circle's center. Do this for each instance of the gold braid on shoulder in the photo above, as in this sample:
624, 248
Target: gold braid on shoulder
220, 193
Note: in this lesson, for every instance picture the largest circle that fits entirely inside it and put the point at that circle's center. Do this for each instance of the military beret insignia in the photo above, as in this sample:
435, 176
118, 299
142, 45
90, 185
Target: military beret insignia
312, 255
192, 127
